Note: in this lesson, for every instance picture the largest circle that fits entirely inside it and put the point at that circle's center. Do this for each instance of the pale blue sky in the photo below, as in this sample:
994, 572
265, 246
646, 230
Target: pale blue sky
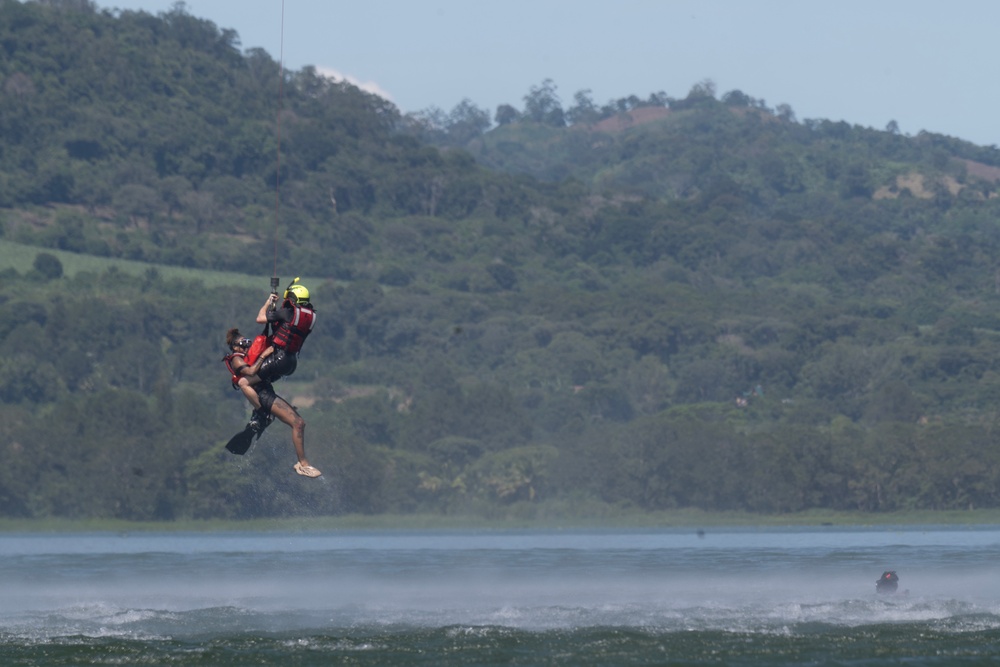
927, 64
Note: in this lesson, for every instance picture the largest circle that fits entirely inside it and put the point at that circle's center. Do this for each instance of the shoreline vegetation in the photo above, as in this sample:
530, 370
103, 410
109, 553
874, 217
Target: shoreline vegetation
686, 518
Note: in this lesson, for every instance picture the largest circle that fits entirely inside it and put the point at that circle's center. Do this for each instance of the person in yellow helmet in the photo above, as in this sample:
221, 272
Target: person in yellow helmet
289, 326
290, 323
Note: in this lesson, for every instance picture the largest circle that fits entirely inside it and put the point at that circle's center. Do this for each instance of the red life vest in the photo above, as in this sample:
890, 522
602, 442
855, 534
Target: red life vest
290, 335
259, 344
228, 360
250, 356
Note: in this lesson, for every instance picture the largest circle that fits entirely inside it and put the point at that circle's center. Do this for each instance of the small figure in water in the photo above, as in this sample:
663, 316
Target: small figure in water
887, 583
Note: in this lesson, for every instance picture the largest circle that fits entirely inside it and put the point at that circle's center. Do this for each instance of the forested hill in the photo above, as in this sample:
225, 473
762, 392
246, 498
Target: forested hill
662, 302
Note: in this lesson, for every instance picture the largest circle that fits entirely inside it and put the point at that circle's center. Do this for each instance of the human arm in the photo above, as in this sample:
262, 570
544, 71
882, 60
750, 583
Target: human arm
260, 360
262, 315
243, 370
248, 370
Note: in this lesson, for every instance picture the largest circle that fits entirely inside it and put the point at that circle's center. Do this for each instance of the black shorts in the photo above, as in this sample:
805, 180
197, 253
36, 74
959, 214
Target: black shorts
266, 395
278, 365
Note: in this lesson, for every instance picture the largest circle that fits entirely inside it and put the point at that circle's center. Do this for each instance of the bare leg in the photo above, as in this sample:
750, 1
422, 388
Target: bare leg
250, 392
286, 413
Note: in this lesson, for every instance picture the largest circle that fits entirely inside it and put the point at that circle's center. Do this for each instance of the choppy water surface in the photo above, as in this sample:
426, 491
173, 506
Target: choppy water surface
671, 597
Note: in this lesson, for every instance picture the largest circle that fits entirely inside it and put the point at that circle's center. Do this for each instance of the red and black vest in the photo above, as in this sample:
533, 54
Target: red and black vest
228, 360
289, 336
259, 344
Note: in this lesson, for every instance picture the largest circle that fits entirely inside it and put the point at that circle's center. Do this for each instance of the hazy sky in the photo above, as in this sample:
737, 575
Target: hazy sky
927, 64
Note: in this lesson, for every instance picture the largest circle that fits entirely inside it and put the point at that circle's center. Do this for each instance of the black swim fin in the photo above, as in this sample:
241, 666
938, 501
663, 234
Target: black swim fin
240, 443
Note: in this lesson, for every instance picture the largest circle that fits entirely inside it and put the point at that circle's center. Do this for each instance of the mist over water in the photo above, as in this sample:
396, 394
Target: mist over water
655, 596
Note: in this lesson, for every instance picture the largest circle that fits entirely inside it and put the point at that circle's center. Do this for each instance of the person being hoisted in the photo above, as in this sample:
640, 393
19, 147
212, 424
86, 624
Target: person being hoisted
244, 361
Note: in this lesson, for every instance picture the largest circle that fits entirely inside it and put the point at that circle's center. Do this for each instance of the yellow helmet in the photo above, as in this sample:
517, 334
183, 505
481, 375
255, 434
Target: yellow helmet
300, 292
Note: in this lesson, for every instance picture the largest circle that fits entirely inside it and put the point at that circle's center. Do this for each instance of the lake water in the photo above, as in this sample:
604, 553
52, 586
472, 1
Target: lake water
664, 597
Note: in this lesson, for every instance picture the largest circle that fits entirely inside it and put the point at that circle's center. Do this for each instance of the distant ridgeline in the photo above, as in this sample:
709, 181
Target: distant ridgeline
547, 311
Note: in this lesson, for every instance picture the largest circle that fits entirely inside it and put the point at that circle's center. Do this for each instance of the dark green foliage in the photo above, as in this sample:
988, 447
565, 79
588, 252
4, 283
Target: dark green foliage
48, 266
699, 303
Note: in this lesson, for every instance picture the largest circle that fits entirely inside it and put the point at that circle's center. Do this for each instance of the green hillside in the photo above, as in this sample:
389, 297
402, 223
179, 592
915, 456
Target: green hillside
666, 303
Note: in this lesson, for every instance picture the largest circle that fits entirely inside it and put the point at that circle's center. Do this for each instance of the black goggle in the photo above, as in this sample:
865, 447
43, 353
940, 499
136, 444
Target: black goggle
244, 342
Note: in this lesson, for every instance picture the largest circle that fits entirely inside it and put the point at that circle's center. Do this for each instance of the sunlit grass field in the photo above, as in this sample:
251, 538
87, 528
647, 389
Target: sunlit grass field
21, 258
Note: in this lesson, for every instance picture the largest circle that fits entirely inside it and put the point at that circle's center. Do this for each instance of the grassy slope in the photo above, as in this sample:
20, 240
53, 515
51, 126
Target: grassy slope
21, 258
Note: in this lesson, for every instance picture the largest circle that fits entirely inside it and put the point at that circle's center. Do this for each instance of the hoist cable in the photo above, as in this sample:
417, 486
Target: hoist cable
277, 170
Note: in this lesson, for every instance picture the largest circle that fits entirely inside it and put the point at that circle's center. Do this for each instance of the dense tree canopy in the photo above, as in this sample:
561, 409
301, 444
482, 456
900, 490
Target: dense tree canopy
654, 303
